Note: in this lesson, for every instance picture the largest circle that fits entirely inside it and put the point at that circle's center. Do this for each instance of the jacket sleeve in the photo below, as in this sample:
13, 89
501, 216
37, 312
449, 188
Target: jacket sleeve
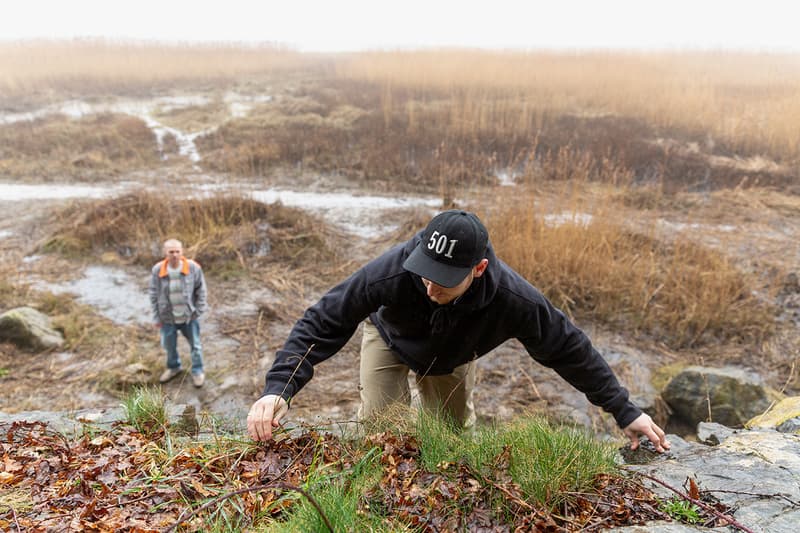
557, 343
153, 293
200, 302
322, 331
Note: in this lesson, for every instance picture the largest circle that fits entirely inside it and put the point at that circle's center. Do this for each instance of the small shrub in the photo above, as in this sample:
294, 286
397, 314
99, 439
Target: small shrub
681, 510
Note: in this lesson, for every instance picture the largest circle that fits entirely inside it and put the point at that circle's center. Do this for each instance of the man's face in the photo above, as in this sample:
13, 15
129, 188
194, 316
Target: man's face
173, 253
444, 295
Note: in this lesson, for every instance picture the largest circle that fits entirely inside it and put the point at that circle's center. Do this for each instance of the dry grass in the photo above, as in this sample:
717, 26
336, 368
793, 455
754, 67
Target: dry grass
746, 102
35, 71
427, 138
194, 118
606, 268
446, 118
224, 233
57, 147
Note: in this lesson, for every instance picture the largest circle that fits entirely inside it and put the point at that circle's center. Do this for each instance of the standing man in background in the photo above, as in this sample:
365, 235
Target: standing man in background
178, 298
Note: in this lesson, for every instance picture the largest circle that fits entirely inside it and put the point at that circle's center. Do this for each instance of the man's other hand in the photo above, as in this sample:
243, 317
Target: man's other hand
644, 425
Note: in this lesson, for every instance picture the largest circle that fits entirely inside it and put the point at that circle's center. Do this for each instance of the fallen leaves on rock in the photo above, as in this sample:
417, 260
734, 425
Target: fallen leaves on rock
121, 480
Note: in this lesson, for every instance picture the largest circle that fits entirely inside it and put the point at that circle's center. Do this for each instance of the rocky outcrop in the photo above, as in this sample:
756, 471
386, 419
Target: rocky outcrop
755, 473
29, 329
729, 396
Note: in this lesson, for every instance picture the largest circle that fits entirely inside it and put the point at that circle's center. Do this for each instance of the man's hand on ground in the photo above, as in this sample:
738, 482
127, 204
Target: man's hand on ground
644, 425
264, 415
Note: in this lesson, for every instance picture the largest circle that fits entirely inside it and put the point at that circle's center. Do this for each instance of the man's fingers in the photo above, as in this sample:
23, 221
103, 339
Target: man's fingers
644, 425
259, 421
265, 414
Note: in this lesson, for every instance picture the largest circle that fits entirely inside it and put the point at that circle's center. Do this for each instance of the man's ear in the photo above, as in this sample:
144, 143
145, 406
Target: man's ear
480, 268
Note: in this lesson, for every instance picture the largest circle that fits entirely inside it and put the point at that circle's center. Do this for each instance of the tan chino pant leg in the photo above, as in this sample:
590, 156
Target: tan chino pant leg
384, 380
451, 394
383, 377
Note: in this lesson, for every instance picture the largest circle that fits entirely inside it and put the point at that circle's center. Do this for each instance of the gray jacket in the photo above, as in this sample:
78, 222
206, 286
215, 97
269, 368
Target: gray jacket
194, 290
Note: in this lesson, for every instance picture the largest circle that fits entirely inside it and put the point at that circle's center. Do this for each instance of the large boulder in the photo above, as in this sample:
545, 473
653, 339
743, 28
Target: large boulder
29, 329
729, 396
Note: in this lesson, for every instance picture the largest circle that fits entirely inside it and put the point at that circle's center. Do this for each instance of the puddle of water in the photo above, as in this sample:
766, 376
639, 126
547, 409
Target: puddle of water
116, 295
560, 219
360, 215
15, 192
240, 105
506, 178
681, 226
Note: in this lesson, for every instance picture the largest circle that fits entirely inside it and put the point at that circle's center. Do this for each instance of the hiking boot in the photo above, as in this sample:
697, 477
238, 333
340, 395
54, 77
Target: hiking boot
198, 379
168, 374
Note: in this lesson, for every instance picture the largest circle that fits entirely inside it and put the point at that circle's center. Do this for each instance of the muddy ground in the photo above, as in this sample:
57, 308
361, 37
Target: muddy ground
250, 316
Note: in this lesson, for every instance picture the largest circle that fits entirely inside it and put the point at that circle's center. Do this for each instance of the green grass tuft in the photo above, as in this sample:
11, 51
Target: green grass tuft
145, 409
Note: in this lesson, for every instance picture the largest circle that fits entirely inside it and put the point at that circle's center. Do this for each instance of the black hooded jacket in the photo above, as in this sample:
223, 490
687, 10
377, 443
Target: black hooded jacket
433, 339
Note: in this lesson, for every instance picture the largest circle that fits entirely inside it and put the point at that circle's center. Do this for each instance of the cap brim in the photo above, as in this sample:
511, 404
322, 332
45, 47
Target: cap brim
444, 275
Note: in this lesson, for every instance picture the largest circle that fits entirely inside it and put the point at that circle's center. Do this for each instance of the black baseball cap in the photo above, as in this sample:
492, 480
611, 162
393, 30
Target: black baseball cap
452, 244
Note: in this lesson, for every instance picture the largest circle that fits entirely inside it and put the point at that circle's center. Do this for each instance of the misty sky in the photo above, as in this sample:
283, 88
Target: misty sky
340, 25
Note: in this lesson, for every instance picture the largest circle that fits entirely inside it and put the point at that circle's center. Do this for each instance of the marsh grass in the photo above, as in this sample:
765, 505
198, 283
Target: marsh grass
425, 139
34, 71
92, 147
745, 102
694, 120
598, 265
225, 233
194, 118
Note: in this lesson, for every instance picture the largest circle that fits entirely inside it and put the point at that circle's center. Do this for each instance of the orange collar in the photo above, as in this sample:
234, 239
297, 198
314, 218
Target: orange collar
184, 267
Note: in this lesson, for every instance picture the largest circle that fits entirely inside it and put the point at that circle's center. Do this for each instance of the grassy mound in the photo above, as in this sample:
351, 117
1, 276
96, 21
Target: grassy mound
223, 233
93, 147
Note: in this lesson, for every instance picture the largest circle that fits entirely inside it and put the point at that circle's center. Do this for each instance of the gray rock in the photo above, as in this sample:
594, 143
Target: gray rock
712, 433
790, 426
29, 329
731, 396
754, 472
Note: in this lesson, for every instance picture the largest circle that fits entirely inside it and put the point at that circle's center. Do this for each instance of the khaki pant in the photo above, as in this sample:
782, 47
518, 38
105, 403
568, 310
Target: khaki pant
384, 380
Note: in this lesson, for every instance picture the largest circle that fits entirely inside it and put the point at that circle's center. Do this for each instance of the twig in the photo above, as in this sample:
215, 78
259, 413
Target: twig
729, 519
533, 383
16, 522
522, 503
273, 485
